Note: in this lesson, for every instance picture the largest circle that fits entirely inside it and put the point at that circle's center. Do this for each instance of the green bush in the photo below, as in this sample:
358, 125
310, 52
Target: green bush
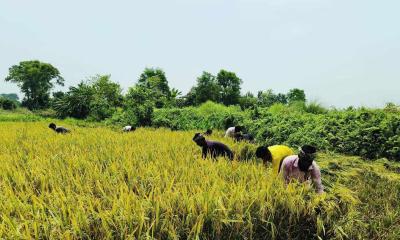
46, 113
314, 107
7, 104
122, 118
207, 115
368, 133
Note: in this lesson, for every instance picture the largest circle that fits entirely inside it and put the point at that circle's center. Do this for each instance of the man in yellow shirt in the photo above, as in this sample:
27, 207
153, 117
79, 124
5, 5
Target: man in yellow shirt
274, 154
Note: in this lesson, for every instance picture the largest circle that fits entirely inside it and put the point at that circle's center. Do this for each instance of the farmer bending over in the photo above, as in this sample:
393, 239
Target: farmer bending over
58, 129
303, 167
230, 132
274, 154
243, 137
213, 148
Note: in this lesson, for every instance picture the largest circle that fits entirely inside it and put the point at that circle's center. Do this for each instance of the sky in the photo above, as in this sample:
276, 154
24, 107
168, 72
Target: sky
341, 52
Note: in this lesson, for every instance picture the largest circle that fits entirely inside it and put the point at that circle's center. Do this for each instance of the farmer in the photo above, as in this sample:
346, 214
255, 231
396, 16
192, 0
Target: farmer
128, 128
243, 137
213, 148
208, 132
230, 132
274, 154
58, 129
303, 167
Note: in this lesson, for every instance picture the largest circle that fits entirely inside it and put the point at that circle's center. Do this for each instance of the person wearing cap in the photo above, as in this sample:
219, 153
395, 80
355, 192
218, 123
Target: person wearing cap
274, 154
303, 167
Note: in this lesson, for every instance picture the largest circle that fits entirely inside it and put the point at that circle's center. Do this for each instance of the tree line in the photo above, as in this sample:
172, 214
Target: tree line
98, 97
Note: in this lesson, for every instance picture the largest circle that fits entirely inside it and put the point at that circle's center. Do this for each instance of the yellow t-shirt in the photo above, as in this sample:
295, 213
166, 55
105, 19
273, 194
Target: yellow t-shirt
279, 152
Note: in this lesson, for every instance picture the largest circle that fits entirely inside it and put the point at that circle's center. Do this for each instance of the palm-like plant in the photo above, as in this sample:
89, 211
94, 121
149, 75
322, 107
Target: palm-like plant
76, 103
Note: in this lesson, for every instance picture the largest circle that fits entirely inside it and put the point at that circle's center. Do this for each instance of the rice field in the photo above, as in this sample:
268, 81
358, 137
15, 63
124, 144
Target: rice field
100, 183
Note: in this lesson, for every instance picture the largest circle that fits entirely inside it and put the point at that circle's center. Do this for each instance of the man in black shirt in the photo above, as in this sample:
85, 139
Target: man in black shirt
213, 147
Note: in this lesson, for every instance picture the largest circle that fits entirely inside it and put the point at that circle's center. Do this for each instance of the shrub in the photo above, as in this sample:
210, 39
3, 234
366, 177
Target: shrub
7, 104
367, 133
314, 107
46, 113
122, 118
207, 115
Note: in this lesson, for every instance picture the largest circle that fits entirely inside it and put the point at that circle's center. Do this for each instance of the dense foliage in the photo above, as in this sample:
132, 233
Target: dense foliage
274, 118
367, 133
208, 115
7, 104
97, 98
35, 79
11, 96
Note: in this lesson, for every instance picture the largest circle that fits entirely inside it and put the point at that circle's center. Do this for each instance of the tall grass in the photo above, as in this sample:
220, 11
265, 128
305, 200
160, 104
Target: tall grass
96, 183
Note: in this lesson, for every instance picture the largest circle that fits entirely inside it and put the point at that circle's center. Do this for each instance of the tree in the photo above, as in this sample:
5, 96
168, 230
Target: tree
207, 89
391, 107
155, 84
35, 79
175, 93
106, 98
229, 84
57, 96
296, 95
281, 98
11, 96
97, 98
247, 101
157, 79
76, 102
175, 99
138, 102
107, 90
266, 98
190, 98
7, 104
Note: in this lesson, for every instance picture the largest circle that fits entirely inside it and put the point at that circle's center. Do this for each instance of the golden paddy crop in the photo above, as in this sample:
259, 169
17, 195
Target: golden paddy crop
152, 184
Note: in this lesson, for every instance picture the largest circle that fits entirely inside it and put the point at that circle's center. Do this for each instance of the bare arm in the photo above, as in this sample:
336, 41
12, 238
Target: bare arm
316, 176
285, 171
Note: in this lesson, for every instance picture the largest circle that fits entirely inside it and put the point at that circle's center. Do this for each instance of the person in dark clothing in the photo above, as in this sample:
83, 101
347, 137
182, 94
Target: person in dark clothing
214, 148
58, 129
208, 132
243, 137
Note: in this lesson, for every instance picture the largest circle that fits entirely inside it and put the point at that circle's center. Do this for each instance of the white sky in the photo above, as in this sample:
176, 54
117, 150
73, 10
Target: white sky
341, 52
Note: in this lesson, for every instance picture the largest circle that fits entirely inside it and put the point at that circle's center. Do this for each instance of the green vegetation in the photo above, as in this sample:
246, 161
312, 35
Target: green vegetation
214, 102
35, 79
368, 133
97, 99
7, 104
